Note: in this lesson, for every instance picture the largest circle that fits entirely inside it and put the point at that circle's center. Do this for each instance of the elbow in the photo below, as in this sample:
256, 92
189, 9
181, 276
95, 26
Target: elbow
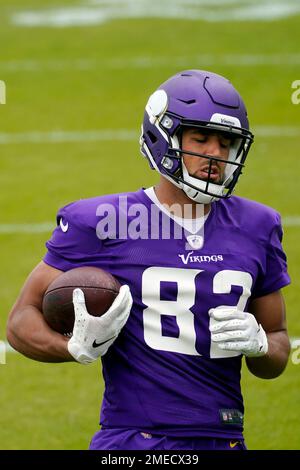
271, 374
12, 328
267, 374
10, 334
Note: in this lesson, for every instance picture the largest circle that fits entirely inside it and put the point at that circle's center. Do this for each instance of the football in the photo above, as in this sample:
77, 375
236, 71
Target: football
100, 290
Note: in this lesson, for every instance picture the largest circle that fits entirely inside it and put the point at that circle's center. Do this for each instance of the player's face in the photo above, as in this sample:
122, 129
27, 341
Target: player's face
215, 144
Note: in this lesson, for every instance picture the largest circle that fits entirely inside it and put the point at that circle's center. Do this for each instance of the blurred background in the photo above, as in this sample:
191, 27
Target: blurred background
78, 74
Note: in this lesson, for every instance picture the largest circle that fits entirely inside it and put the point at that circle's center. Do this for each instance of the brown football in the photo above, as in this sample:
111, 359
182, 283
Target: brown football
100, 290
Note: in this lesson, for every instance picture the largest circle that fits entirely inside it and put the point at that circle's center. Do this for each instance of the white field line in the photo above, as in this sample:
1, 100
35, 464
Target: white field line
97, 12
46, 227
99, 135
144, 62
291, 221
6, 347
10, 229
60, 136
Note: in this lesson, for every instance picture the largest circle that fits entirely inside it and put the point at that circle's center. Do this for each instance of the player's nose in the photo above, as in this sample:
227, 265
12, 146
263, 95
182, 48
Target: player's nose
213, 146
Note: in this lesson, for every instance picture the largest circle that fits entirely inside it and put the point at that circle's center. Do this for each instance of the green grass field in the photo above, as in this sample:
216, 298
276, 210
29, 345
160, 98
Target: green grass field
98, 77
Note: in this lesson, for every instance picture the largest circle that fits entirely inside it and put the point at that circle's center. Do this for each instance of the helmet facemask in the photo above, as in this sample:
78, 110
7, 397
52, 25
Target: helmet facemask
205, 191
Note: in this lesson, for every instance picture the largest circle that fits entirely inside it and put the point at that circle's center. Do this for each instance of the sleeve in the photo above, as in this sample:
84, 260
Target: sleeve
73, 243
274, 274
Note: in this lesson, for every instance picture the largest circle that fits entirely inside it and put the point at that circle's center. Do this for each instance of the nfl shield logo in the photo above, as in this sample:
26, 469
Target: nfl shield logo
195, 242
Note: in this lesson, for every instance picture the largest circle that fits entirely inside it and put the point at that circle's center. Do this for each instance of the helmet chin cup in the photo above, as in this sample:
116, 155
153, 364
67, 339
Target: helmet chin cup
200, 196
197, 196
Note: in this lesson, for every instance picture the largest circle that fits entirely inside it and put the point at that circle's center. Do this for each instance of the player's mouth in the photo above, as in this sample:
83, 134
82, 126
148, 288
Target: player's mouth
213, 173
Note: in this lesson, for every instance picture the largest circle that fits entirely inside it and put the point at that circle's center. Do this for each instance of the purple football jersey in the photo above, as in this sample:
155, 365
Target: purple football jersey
163, 374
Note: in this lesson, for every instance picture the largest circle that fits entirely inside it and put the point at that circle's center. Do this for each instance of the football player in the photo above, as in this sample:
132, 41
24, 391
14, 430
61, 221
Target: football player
172, 357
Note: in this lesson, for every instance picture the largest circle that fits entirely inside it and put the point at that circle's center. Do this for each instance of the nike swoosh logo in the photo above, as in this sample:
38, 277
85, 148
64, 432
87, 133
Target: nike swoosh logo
63, 226
233, 444
96, 345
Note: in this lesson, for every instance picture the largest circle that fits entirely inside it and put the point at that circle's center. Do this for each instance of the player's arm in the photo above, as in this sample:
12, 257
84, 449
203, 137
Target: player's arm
260, 335
269, 311
27, 331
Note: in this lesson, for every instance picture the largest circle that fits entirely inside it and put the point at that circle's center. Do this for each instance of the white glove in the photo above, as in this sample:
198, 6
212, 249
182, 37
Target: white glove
92, 336
239, 331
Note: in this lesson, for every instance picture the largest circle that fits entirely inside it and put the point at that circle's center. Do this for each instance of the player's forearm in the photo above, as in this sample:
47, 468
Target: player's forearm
274, 362
28, 333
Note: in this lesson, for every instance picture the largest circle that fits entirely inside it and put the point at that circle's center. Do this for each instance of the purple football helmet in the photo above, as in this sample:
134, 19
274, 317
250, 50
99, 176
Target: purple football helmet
195, 99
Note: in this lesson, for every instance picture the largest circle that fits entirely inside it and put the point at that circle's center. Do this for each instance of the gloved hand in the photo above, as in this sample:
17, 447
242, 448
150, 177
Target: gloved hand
239, 331
92, 336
